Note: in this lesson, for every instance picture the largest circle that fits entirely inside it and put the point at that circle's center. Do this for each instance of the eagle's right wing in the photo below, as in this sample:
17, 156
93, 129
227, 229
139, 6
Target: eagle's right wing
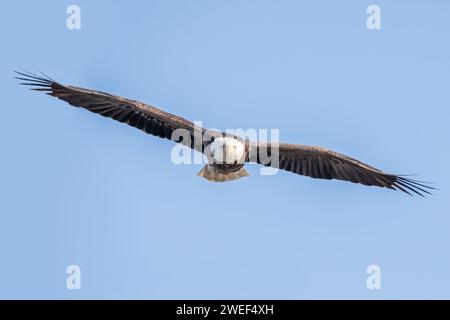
136, 114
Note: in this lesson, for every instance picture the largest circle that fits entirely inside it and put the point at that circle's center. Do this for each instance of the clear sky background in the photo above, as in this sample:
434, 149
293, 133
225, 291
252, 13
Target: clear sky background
80, 189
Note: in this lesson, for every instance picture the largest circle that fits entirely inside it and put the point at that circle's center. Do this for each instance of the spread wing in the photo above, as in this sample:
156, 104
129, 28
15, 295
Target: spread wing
134, 113
321, 163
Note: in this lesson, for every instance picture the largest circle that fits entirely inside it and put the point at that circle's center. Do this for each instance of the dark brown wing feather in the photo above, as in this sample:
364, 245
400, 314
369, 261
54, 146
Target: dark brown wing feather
321, 163
136, 114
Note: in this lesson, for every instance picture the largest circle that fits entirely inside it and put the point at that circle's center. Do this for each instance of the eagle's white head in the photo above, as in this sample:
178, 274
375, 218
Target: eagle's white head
225, 150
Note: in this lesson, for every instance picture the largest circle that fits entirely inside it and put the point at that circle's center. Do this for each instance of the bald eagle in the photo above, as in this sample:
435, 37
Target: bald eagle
227, 153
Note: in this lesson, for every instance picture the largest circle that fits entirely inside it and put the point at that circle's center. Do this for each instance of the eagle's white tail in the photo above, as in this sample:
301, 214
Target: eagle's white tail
209, 173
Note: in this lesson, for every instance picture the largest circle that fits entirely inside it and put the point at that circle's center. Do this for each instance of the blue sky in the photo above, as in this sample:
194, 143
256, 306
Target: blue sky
79, 189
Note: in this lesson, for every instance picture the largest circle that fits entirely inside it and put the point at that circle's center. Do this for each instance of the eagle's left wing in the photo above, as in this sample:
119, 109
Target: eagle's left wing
321, 163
